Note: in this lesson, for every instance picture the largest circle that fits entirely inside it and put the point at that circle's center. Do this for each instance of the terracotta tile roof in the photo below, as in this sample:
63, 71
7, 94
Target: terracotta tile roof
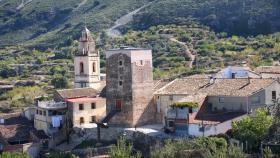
79, 100
77, 93
183, 86
268, 69
237, 87
218, 87
159, 84
214, 117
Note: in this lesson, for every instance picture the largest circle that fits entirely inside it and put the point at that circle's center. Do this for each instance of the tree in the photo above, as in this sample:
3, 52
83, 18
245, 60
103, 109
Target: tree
14, 155
60, 82
122, 150
252, 128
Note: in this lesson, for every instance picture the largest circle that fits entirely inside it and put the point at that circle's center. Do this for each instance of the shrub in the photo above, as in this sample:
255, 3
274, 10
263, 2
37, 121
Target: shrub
185, 104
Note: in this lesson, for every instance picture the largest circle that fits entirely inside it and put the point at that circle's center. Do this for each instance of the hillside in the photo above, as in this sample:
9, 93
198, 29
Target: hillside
238, 17
48, 22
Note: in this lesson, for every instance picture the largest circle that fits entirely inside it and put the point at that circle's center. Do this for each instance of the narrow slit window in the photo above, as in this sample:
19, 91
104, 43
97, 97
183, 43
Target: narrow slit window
81, 67
120, 83
93, 68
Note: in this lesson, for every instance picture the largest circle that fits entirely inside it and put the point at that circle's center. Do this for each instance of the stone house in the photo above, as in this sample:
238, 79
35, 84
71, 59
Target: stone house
50, 116
220, 101
84, 105
86, 111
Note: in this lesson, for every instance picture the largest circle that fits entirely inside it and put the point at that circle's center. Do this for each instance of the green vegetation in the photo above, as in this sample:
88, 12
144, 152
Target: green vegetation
253, 129
184, 105
213, 50
239, 17
268, 153
51, 23
205, 147
60, 82
123, 150
24, 96
14, 155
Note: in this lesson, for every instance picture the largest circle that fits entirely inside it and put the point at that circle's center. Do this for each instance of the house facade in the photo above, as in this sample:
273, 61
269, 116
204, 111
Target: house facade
220, 101
86, 111
50, 117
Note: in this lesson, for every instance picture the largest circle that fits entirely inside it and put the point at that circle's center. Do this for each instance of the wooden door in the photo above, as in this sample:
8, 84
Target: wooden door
118, 105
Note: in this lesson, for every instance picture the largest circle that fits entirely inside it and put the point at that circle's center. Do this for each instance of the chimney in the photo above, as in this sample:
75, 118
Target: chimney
249, 80
212, 80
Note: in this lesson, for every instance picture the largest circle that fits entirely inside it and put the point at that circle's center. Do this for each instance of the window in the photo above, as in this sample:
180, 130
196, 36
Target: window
93, 119
83, 84
93, 67
81, 106
171, 97
273, 95
81, 68
82, 120
40, 112
37, 111
141, 62
120, 63
44, 113
221, 100
93, 106
120, 83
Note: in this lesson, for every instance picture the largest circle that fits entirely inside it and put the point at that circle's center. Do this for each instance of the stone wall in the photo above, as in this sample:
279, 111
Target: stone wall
136, 90
141, 141
114, 91
144, 110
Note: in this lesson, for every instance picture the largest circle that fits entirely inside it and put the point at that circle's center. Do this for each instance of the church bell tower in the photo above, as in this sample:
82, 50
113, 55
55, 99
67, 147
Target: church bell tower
87, 62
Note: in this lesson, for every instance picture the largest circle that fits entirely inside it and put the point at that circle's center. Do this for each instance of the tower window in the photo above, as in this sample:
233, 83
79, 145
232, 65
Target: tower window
82, 120
81, 106
81, 67
93, 67
120, 63
141, 62
120, 83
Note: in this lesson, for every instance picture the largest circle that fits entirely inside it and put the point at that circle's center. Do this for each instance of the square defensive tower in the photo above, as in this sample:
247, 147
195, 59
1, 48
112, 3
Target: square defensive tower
129, 90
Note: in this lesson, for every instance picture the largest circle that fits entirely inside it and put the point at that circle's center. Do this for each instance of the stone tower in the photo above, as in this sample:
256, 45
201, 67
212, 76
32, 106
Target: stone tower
87, 62
129, 87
